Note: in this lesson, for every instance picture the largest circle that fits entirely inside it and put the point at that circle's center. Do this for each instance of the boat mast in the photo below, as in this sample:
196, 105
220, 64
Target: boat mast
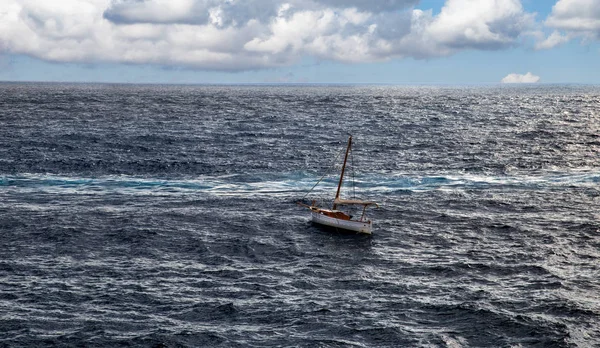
337, 195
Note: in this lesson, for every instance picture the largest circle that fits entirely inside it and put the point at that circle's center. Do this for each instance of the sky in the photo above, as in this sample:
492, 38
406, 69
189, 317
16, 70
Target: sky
407, 42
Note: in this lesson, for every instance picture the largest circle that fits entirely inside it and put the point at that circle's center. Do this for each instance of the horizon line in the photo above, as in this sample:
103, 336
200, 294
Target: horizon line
482, 84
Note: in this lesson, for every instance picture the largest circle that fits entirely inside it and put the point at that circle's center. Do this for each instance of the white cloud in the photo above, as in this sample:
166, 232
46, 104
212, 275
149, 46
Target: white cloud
576, 15
553, 40
519, 78
253, 34
479, 24
575, 18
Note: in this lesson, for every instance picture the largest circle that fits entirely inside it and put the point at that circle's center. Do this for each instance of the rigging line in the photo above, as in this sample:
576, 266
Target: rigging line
324, 175
352, 162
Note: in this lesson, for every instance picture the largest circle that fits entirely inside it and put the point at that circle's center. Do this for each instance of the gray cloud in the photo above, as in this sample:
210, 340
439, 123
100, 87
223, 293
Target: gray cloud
370, 5
391, 26
191, 11
231, 12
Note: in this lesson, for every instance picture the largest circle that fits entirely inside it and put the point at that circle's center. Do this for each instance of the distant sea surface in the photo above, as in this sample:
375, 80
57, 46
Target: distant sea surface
166, 216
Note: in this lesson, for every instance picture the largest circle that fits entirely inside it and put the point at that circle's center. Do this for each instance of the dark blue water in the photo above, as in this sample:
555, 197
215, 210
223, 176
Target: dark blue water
166, 216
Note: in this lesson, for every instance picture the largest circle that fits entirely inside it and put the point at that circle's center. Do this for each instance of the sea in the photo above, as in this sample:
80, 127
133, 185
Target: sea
167, 216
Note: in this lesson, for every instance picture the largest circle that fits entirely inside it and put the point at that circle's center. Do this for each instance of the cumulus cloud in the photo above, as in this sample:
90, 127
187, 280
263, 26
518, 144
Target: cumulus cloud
555, 39
575, 19
253, 34
479, 24
519, 78
576, 15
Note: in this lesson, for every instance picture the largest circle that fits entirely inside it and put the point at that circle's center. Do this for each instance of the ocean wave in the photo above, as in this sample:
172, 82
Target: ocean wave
290, 183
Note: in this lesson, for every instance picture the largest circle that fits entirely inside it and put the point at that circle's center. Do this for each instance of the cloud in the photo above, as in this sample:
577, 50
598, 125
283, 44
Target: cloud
367, 5
479, 24
575, 18
233, 35
232, 12
519, 78
195, 12
555, 39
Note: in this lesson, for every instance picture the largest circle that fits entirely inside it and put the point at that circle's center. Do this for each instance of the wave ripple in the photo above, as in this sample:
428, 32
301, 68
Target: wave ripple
165, 216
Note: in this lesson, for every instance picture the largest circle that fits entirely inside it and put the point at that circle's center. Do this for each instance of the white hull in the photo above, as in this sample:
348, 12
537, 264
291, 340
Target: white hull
348, 225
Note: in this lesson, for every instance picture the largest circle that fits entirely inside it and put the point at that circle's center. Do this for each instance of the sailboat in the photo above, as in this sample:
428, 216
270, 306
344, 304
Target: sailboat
339, 219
